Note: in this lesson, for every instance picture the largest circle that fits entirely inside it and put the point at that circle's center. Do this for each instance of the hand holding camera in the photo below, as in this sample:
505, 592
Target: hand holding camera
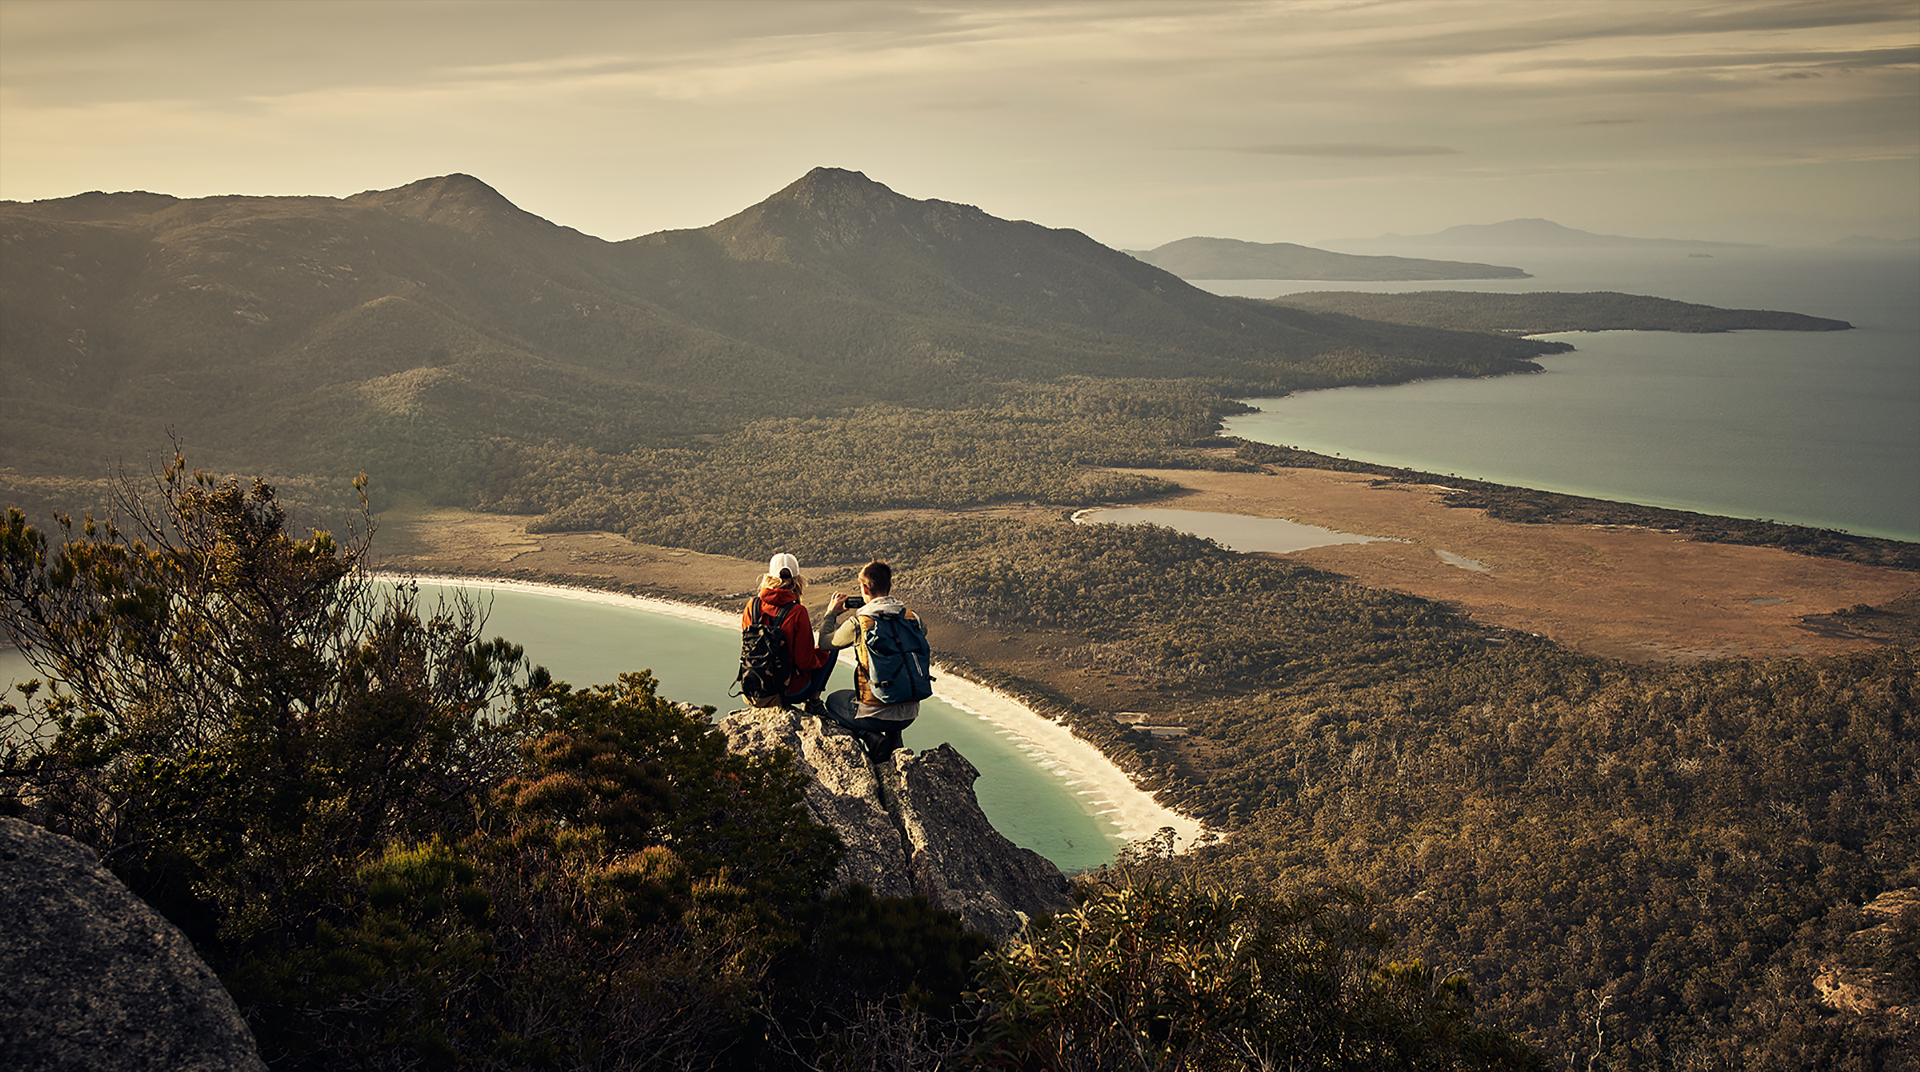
843, 602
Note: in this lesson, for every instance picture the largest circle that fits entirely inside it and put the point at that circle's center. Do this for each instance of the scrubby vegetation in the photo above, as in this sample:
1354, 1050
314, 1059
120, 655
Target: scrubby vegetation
402, 847
1152, 973
1638, 866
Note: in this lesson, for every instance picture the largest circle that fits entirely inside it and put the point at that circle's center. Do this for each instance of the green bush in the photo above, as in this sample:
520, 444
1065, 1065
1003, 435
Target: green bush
1160, 974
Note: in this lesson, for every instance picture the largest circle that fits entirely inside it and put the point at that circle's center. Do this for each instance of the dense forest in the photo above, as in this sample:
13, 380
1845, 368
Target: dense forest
1641, 866
1643, 863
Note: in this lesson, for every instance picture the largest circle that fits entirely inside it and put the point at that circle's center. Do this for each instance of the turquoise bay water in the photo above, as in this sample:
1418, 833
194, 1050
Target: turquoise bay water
1814, 428
585, 643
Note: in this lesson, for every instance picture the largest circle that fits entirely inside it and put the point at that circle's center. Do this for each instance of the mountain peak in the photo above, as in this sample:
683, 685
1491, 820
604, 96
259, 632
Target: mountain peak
825, 209
455, 200
832, 182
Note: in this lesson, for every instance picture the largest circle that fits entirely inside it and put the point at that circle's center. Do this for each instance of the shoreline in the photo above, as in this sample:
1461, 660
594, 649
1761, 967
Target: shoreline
1115, 799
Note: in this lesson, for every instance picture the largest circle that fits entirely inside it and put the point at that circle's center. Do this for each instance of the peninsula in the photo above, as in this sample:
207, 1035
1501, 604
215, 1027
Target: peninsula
1544, 313
1536, 233
1227, 258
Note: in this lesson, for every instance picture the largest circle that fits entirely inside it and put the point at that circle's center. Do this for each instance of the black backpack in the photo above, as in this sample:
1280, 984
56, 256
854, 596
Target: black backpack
765, 663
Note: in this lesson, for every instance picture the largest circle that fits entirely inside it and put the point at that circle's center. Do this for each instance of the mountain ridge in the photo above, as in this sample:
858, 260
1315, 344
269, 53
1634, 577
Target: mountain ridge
406, 330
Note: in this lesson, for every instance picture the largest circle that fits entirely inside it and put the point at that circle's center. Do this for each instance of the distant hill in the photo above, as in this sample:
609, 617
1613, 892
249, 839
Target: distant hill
416, 331
1869, 240
1227, 258
1542, 234
1540, 313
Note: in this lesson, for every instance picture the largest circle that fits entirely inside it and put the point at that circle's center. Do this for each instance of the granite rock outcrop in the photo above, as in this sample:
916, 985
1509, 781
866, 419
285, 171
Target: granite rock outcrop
95, 979
911, 824
1853, 980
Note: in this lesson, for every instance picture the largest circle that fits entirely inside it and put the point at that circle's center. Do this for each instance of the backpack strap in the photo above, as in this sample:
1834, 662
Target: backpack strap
779, 619
862, 661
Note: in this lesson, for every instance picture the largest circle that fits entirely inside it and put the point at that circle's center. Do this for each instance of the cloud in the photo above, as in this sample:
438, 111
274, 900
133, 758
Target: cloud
1337, 149
1900, 59
1043, 109
982, 104
1442, 29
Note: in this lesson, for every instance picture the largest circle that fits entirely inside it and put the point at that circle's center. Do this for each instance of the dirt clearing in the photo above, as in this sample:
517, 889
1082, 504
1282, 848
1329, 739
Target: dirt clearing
1625, 593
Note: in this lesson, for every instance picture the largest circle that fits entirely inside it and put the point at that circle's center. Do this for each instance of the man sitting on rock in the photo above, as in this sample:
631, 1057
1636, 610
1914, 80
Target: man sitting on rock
875, 722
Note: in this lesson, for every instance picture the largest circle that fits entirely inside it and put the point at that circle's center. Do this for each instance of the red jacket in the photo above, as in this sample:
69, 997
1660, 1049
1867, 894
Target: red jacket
799, 629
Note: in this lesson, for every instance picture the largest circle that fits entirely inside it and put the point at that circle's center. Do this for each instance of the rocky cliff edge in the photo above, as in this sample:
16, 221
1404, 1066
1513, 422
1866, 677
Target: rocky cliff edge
912, 824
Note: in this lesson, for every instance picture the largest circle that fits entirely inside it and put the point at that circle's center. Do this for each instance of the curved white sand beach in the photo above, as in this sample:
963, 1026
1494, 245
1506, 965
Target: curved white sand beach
1108, 790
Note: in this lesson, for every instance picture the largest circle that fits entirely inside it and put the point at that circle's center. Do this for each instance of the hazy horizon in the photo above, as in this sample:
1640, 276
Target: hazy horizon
1307, 121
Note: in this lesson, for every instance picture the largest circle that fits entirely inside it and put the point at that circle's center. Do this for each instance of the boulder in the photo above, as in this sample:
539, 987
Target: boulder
911, 824
1854, 979
95, 979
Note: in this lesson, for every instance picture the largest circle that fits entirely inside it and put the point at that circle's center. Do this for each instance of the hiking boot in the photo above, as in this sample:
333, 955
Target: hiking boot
815, 708
874, 745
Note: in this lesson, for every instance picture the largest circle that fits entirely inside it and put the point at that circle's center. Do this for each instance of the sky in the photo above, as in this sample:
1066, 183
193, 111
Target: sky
1790, 122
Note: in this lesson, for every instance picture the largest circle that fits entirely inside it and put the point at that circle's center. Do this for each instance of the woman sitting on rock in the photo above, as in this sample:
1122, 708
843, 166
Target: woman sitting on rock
811, 664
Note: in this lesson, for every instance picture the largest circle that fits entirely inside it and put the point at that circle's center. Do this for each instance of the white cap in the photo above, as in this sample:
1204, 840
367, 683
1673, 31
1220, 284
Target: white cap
786, 562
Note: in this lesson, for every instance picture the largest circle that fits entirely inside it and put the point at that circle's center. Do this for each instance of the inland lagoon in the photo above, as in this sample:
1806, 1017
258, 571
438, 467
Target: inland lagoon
1235, 532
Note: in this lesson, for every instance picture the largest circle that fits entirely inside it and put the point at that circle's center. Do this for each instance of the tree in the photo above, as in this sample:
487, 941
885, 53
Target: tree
1156, 971
233, 716
617, 906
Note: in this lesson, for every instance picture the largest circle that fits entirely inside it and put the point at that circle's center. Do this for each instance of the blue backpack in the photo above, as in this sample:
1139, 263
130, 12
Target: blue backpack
899, 662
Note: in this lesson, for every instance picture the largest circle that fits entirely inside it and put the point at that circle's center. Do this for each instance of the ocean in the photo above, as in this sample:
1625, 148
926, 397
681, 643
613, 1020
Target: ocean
1811, 428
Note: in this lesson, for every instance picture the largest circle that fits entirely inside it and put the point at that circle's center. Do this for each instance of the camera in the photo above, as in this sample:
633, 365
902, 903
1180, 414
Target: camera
854, 601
